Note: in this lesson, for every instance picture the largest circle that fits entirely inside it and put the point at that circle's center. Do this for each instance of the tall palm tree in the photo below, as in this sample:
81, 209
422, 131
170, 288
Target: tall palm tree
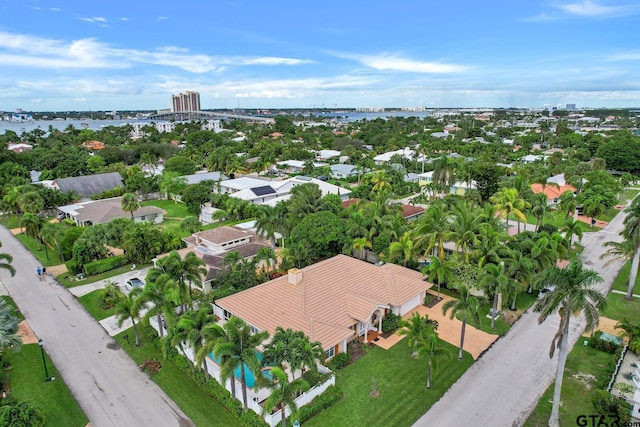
403, 249
5, 262
185, 272
283, 393
465, 227
520, 268
440, 271
268, 223
508, 203
129, 203
238, 347
53, 232
594, 206
33, 226
380, 182
29, 201
129, 307
195, 322
427, 347
415, 328
568, 203
431, 230
572, 228
573, 295
443, 172
359, 245
631, 232
467, 308
494, 281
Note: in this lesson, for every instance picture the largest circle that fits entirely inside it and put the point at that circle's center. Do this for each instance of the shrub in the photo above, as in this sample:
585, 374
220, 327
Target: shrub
607, 404
596, 341
109, 296
330, 396
314, 378
100, 266
390, 322
73, 267
339, 361
13, 413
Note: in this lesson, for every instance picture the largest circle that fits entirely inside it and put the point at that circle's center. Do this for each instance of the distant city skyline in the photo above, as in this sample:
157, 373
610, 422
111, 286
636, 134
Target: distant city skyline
81, 56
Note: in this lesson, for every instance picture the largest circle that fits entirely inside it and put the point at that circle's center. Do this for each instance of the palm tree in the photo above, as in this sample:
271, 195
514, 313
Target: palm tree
359, 245
380, 182
9, 337
53, 232
33, 226
403, 249
184, 272
129, 203
568, 203
494, 281
594, 206
508, 203
467, 307
443, 172
631, 232
268, 224
464, 228
195, 322
439, 271
5, 262
519, 268
129, 307
573, 295
283, 393
431, 230
238, 347
415, 328
427, 348
572, 228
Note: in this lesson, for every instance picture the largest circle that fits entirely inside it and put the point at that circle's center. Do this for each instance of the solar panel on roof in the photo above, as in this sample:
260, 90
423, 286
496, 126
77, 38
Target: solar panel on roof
263, 191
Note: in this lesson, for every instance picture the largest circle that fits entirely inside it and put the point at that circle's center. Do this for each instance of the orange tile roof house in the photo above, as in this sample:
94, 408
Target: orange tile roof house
334, 301
554, 189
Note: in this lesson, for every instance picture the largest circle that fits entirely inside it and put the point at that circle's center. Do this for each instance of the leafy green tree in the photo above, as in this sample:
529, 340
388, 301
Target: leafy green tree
573, 295
467, 308
130, 203
196, 195
440, 271
181, 165
318, 236
191, 224
172, 184
427, 347
269, 223
9, 337
283, 393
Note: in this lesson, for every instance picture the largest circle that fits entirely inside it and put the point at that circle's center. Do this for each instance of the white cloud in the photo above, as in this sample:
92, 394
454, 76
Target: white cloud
35, 52
162, 18
633, 55
55, 9
390, 62
124, 18
584, 9
80, 99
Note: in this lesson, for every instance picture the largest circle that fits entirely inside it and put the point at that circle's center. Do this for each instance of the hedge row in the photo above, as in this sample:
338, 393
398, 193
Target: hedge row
330, 396
100, 266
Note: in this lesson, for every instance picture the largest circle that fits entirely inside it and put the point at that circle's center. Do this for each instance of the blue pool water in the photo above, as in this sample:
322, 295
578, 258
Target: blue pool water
248, 374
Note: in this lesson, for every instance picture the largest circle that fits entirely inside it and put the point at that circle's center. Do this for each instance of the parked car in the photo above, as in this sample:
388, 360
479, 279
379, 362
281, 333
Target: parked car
133, 283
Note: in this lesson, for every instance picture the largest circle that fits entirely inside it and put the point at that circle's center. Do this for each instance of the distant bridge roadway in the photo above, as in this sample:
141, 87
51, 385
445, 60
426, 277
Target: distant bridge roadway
199, 115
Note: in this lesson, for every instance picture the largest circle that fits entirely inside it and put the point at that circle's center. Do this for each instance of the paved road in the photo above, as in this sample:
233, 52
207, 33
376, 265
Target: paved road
504, 386
104, 380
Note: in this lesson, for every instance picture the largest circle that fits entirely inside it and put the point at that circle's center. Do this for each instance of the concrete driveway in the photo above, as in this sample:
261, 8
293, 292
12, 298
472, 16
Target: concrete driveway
103, 379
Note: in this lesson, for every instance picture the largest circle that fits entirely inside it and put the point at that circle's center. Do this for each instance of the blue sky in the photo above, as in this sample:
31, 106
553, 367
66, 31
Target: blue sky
88, 55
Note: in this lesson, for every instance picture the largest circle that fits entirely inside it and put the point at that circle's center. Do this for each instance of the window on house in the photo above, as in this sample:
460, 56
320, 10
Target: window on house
143, 218
329, 353
254, 330
226, 314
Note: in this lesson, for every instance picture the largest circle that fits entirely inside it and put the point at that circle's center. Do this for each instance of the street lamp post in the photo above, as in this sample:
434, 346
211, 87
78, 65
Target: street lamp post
44, 362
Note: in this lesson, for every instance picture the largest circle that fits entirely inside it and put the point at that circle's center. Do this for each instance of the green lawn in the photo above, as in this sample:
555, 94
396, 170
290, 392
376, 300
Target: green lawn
32, 246
91, 303
618, 308
9, 221
622, 280
557, 219
52, 397
173, 210
201, 408
576, 387
627, 195
401, 381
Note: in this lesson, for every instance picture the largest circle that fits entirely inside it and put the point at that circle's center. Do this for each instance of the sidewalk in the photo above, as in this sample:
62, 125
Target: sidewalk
119, 280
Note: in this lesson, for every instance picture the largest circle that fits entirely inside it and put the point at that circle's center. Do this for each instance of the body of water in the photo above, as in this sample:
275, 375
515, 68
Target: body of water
19, 127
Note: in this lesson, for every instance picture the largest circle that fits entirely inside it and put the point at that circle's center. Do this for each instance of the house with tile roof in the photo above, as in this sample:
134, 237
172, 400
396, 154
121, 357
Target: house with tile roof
334, 301
556, 185
103, 211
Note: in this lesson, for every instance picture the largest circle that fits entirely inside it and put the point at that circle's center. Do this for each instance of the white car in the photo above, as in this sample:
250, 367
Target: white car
133, 283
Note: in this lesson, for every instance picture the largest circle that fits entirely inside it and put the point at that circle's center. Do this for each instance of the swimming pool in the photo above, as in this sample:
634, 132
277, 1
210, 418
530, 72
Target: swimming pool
248, 374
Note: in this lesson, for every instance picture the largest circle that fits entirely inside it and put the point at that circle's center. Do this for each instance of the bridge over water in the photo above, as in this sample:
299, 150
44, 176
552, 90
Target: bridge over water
200, 115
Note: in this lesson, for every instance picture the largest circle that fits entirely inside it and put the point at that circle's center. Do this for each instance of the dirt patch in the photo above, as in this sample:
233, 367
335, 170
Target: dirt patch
57, 270
433, 302
151, 366
25, 332
511, 316
357, 349
586, 379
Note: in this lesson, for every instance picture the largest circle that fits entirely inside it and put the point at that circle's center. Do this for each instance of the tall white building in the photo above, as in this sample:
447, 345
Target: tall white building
188, 101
